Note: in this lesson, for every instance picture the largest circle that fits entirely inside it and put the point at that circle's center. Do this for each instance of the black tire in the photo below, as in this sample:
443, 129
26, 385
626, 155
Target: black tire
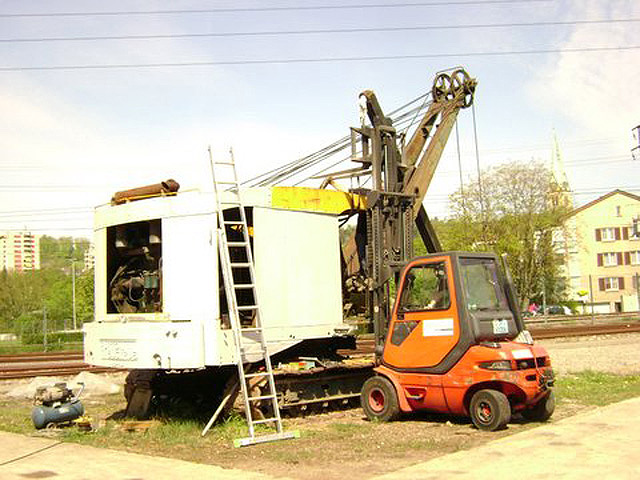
379, 399
541, 411
490, 410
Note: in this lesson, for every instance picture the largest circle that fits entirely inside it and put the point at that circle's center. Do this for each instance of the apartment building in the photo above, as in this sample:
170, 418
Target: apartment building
600, 243
19, 251
89, 257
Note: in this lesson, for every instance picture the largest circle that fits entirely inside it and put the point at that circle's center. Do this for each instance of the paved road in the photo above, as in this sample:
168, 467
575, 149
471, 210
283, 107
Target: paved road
600, 444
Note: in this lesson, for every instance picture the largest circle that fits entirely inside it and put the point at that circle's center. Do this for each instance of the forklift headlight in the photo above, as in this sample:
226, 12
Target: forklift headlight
497, 365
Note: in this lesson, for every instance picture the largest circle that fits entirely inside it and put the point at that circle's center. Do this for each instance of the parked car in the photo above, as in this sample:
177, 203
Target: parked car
557, 310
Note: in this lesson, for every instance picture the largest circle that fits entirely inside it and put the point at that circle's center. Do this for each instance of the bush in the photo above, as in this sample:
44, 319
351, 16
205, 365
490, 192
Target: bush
53, 337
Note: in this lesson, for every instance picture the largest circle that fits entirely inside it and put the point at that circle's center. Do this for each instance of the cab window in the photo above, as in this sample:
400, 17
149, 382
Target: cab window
425, 288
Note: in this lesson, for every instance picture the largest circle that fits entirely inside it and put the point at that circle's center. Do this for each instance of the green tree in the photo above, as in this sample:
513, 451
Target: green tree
57, 253
23, 295
509, 211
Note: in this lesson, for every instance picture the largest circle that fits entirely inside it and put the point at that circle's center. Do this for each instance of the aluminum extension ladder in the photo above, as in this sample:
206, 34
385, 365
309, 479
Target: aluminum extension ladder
236, 261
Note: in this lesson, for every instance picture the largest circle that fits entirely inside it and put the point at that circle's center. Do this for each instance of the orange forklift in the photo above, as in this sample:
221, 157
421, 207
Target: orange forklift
453, 341
456, 345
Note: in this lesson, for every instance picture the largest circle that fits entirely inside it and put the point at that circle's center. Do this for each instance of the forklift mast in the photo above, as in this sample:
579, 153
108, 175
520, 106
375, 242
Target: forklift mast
400, 177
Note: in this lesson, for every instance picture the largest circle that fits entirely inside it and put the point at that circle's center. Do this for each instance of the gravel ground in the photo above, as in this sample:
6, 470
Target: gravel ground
618, 354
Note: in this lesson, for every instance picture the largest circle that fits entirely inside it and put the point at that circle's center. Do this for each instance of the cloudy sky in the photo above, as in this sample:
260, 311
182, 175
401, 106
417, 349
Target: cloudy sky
87, 107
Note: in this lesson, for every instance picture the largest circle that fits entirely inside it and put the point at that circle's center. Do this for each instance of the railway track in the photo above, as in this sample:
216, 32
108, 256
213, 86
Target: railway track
71, 363
540, 332
45, 364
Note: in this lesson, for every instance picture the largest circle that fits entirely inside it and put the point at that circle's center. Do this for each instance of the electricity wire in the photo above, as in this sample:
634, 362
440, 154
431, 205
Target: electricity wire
265, 9
316, 31
317, 60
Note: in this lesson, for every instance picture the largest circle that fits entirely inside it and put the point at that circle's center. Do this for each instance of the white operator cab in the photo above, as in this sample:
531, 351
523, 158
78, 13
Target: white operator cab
159, 298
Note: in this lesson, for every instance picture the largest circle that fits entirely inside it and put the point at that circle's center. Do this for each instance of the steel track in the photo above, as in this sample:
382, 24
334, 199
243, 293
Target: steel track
45, 364
70, 363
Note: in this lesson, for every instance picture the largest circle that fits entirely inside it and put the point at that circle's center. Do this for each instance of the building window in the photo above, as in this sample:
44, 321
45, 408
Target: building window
618, 211
608, 234
610, 259
611, 284
634, 258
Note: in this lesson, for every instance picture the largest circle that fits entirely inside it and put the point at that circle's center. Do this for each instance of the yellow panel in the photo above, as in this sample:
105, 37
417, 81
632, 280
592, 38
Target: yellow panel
316, 200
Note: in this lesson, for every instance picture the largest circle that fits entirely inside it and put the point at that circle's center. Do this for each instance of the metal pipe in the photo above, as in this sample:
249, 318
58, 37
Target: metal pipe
167, 187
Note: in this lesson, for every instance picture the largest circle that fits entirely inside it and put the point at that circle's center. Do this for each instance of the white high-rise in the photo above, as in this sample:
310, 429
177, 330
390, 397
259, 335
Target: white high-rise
19, 251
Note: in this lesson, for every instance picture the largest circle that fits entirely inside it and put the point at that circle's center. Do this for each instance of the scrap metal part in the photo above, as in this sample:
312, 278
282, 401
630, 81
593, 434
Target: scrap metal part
168, 187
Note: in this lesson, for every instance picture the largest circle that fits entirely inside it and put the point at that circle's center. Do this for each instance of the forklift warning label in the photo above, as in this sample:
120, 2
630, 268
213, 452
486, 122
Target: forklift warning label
442, 327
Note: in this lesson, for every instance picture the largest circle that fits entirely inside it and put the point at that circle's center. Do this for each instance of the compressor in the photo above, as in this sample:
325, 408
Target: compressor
56, 404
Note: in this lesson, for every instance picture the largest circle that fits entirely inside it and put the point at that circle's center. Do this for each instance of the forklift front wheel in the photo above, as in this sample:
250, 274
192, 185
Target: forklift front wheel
490, 410
541, 411
379, 399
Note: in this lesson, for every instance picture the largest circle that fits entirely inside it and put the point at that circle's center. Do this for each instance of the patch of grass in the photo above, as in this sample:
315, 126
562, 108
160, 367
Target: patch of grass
332, 446
17, 347
348, 428
597, 388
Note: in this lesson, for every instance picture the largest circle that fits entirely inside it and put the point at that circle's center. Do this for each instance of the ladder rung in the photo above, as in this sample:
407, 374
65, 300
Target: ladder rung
220, 182
237, 244
224, 163
240, 265
250, 351
244, 286
233, 222
262, 397
251, 329
257, 374
247, 307
265, 420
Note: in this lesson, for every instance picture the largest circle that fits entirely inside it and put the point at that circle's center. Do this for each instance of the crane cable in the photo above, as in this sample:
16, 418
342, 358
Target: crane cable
284, 172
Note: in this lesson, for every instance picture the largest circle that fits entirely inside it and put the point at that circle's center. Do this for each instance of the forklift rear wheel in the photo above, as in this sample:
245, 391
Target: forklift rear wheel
379, 399
490, 410
541, 411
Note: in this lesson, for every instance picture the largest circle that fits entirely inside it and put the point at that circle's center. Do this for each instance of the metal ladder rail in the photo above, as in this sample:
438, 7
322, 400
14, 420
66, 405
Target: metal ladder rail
231, 290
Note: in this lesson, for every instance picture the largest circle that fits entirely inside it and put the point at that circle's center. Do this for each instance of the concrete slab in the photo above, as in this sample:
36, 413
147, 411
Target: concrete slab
14, 446
28, 457
602, 443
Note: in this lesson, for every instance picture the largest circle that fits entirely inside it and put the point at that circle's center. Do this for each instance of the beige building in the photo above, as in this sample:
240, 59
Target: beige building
601, 246
19, 251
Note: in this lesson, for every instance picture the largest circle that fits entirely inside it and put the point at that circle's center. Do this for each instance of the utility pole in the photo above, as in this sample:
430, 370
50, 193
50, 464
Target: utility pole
593, 318
44, 327
635, 151
73, 292
638, 289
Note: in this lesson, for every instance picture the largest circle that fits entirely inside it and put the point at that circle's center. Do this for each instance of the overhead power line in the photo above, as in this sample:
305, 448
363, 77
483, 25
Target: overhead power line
316, 60
166, 36
264, 9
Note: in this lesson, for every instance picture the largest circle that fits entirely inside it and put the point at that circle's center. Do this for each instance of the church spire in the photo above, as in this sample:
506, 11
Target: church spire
560, 190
